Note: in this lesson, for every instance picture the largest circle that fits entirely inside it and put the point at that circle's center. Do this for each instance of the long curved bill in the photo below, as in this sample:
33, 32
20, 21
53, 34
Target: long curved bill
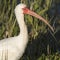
27, 11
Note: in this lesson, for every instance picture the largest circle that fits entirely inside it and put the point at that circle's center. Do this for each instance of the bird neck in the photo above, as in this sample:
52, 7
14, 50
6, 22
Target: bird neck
21, 23
22, 38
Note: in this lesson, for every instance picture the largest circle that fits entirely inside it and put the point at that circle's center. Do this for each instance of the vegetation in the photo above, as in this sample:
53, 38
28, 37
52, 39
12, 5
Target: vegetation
43, 43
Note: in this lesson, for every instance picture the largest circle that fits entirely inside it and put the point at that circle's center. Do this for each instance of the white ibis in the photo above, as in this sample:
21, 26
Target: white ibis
13, 48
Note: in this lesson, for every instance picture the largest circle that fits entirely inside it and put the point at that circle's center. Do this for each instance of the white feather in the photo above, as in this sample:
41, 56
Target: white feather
13, 48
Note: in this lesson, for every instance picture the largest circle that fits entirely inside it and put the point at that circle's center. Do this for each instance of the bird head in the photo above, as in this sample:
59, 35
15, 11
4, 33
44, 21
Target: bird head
22, 9
19, 7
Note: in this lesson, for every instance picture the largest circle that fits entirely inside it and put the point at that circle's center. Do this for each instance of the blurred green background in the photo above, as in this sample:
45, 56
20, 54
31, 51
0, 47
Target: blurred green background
43, 43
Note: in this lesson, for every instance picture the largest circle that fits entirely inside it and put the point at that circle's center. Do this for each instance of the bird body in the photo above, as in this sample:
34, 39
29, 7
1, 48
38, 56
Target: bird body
13, 48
